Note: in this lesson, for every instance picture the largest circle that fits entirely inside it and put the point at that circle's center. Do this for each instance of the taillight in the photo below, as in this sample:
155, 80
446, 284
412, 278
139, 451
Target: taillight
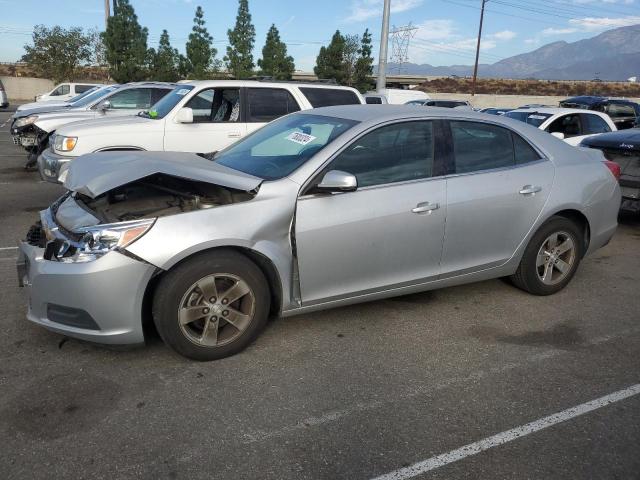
614, 168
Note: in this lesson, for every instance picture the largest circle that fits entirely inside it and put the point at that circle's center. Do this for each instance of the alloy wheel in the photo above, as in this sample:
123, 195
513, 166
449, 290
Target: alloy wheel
555, 258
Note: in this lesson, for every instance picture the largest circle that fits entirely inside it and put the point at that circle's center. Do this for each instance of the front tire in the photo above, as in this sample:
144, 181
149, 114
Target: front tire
551, 259
211, 306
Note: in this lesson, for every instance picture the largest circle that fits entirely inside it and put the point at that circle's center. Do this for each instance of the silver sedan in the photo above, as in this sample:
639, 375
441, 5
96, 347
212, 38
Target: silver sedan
316, 210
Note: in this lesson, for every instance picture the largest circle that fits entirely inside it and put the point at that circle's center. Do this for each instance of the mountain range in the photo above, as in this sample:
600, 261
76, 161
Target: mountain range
611, 55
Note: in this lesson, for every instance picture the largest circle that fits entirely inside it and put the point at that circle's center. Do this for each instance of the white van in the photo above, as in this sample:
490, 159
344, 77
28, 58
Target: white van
395, 96
66, 91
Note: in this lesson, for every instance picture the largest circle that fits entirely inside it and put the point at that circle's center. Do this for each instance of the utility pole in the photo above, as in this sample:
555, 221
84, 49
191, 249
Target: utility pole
107, 12
475, 67
384, 46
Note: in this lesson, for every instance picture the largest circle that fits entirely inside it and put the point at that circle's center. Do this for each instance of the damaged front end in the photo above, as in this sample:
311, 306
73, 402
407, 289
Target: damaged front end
79, 228
26, 134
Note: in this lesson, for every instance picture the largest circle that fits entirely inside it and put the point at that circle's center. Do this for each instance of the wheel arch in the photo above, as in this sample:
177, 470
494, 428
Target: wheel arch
580, 219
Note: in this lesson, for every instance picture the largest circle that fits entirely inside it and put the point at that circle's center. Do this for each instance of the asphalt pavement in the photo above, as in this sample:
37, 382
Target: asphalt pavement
481, 381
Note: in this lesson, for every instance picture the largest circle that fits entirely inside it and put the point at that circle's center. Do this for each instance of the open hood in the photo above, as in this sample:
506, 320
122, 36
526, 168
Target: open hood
97, 173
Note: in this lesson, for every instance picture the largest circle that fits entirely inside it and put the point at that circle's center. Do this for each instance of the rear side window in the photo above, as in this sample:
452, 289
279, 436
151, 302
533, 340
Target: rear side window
83, 88
594, 124
373, 100
266, 104
327, 97
619, 110
524, 153
480, 146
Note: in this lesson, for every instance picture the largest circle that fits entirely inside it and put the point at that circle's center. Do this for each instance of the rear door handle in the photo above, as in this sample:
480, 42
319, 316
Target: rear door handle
530, 189
425, 207
234, 135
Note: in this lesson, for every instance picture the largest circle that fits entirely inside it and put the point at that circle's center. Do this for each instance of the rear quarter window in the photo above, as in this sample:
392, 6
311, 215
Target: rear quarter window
328, 97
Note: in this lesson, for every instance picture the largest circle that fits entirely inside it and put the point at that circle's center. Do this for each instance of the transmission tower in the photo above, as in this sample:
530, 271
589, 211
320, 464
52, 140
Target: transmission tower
400, 39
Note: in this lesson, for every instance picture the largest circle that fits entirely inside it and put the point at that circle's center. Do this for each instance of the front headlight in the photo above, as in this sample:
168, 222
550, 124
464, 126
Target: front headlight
101, 239
64, 144
24, 121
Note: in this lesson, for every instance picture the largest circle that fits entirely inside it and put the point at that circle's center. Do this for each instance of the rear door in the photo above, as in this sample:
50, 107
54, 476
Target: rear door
497, 187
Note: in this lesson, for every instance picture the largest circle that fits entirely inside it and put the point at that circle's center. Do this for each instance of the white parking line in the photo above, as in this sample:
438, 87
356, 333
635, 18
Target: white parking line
8, 248
508, 436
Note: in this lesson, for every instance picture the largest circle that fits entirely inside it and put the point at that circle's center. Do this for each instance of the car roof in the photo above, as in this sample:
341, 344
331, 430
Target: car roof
593, 99
554, 110
261, 83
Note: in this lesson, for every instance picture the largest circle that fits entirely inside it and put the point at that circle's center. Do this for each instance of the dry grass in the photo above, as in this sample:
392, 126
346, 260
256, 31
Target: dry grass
532, 87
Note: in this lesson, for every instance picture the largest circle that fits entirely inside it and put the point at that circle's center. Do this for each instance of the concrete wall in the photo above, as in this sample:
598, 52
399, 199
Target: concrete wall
502, 101
25, 88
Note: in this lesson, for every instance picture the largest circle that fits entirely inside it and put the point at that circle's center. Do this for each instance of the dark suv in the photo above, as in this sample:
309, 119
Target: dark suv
624, 113
622, 148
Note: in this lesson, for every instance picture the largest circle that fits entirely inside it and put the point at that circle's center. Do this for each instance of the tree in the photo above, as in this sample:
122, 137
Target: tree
364, 64
275, 62
200, 54
126, 44
97, 47
239, 58
164, 62
57, 53
330, 60
350, 56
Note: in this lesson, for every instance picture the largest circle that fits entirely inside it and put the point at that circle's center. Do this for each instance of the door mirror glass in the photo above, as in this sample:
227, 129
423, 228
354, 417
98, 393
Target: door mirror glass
185, 115
338, 181
104, 106
559, 135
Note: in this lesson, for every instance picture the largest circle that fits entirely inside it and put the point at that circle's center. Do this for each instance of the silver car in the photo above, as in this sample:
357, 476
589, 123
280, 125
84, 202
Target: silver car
318, 209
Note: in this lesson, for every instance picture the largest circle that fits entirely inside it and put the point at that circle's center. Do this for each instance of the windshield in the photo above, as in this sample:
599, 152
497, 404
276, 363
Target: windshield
532, 118
96, 95
163, 106
83, 94
282, 146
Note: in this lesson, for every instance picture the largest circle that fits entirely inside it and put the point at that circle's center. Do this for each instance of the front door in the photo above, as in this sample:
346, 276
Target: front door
216, 123
388, 233
498, 187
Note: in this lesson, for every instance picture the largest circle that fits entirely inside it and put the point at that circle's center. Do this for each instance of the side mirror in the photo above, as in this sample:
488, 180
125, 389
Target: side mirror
559, 135
185, 115
104, 106
337, 181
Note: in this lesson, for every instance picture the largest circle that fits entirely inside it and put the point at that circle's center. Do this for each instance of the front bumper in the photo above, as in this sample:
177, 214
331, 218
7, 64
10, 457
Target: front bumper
99, 301
50, 165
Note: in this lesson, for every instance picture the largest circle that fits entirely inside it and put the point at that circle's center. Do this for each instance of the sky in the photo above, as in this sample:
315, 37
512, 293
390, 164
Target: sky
445, 30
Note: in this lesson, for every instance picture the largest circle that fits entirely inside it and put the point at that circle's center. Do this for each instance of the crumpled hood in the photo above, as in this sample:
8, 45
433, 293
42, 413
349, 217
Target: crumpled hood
39, 109
97, 173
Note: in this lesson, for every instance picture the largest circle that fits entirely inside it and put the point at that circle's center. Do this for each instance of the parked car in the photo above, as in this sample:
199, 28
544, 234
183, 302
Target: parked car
198, 117
443, 103
65, 91
624, 113
4, 99
568, 124
495, 110
623, 148
32, 129
397, 96
55, 103
321, 208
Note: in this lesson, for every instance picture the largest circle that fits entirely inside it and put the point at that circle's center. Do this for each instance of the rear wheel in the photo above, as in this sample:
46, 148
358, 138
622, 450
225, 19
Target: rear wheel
551, 258
211, 306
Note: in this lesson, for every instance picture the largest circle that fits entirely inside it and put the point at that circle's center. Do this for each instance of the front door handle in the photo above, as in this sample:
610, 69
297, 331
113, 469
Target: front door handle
530, 190
234, 135
425, 207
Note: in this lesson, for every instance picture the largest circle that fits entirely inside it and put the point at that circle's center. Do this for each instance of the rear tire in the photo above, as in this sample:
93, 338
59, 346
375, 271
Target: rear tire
551, 259
212, 305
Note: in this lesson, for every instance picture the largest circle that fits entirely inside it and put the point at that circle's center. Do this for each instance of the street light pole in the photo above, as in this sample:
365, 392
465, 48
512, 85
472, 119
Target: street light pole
107, 12
384, 47
475, 67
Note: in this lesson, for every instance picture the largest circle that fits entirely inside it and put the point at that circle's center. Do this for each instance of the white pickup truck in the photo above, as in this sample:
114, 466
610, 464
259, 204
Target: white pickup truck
197, 117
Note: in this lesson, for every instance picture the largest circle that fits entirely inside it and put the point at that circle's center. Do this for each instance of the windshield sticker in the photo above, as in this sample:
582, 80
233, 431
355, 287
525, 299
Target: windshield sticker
537, 117
182, 91
153, 113
301, 138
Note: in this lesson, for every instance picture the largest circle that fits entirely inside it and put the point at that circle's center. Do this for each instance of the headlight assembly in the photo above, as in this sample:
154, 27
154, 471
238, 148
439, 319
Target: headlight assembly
24, 121
64, 144
101, 239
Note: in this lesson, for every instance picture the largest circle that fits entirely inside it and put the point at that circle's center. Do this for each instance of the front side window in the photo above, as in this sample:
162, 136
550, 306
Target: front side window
328, 97
277, 149
569, 125
61, 90
216, 105
390, 154
267, 104
131, 98
481, 146
592, 124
